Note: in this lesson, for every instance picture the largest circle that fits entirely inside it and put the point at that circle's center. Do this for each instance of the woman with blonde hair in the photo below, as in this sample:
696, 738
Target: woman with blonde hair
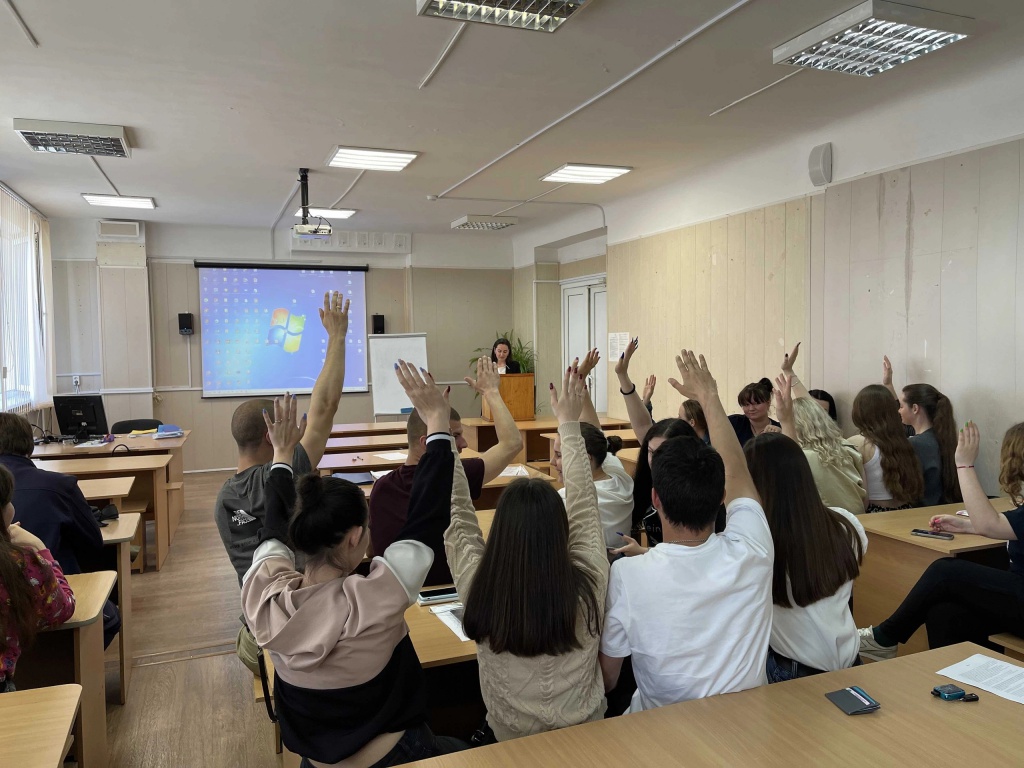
892, 471
957, 600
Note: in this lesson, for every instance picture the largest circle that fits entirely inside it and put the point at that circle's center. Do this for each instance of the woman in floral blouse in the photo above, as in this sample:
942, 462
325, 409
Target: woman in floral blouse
33, 591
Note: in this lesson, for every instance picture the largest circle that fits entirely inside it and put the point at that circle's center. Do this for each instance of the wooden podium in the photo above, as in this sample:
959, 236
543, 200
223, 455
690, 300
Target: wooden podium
517, 391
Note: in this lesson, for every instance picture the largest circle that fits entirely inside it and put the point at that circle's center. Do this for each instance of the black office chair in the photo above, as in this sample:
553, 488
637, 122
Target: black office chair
130, 425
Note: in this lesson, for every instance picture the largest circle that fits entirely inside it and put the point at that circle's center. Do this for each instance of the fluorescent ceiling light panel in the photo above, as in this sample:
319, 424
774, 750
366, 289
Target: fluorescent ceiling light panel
119, 201
536, 15
327, 213
371, 159
580, 173
485, 222
73, 138
873, 37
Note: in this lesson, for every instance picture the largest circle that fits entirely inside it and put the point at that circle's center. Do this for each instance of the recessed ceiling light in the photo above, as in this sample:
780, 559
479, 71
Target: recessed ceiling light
327, 213
873, 37
580, 173
485, 222
119, 201
370, 159
73, 138
537, 15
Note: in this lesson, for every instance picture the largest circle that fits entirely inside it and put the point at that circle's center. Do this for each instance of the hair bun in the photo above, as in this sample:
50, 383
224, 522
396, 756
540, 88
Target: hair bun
614, 444
767, 384
310, 489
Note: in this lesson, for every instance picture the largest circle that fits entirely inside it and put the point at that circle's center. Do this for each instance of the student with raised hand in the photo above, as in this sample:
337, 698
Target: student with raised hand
649, 386
955, 599
892, 471
534, 592
34, 594
930, 413
640, 418
240, 503
695, 612
390, 496
348, 685
818, 551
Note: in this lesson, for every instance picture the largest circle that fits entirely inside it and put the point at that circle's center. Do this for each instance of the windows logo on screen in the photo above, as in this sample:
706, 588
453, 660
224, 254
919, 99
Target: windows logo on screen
286, 330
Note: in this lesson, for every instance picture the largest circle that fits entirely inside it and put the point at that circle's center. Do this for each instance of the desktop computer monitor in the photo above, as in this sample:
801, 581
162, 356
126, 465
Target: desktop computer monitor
80, 416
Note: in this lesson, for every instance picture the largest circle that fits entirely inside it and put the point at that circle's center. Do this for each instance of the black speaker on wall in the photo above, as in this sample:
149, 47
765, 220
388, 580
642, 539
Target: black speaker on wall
185, 323
378, 323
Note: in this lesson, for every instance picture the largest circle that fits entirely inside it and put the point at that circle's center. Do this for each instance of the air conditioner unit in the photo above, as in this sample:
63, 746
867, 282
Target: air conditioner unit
120, 230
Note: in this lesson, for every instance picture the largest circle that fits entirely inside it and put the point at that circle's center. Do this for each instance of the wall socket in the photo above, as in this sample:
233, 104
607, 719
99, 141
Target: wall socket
76, 381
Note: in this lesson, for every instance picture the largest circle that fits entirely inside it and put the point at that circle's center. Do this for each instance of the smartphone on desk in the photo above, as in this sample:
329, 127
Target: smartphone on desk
437, 595
932, 534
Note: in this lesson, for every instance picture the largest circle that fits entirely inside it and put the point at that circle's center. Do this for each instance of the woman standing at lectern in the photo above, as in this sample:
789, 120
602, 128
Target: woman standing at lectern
501, 355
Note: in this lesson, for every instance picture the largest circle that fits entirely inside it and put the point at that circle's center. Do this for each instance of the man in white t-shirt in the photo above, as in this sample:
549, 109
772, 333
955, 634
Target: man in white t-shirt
695, 612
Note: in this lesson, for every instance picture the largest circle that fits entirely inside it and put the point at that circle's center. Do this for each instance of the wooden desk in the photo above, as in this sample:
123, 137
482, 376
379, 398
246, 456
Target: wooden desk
35, 725
787, 724
374, 443
119, 533
151, 484
368, 428
481, 435
629, 457
142, 445
73, 652
896, 559
369, 461
112, 489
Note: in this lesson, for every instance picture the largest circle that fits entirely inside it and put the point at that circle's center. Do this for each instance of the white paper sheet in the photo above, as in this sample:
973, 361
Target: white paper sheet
514, 470
617, 343
394, 456
993, 675
377, 474
451, 615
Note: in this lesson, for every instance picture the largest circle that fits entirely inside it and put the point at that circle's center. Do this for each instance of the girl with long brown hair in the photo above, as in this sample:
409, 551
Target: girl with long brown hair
930, 413
892, 471
33, 591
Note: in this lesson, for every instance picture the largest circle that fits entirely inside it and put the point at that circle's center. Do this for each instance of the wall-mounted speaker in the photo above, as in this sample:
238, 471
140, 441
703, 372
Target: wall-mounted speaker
819, 165
185, 323
378, 323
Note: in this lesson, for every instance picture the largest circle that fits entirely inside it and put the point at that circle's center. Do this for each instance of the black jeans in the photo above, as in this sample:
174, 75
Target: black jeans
959, 601
418, 743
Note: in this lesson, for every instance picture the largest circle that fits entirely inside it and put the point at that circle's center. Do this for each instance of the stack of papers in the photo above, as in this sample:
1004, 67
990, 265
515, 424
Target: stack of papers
168, 430
993, 675
451, 615
515, 470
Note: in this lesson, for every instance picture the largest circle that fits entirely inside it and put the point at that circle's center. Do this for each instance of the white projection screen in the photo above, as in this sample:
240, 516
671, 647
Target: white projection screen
261, 332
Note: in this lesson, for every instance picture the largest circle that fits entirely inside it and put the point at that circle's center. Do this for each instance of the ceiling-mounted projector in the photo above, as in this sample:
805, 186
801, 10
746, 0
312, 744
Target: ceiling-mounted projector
321, 231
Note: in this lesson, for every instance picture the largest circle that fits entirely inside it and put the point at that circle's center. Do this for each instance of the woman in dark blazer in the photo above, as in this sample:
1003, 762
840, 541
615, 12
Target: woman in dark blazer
501, 355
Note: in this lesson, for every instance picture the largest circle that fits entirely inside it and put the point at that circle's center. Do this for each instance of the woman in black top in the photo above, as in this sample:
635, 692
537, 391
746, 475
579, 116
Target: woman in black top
501, 353
930, 413
755, 400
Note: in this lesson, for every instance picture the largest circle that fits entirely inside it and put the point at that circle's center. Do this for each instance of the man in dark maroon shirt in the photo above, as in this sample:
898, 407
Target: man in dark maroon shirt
389, 499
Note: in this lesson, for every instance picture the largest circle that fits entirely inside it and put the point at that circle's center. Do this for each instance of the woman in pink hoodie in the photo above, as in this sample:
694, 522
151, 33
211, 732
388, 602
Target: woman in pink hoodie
348, 684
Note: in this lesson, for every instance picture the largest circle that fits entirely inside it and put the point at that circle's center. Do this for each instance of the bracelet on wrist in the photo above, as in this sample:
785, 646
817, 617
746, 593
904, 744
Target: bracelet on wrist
965, 466
627, 394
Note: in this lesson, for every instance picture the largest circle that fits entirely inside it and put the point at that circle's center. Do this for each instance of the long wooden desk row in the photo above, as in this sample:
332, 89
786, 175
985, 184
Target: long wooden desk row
35, 725
481, 435
788, 724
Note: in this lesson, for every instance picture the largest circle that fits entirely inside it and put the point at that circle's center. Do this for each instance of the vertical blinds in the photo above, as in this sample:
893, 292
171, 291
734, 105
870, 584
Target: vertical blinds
22, 337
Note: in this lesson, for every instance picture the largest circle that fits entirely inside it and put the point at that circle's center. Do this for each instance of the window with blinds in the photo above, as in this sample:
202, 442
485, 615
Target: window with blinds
22, 339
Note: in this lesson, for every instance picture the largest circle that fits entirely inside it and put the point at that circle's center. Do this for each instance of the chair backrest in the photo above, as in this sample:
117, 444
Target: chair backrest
130, 425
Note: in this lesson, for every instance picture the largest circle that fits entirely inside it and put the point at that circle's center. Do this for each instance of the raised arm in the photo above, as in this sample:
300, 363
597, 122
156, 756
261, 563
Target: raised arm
887, 376
784, 405
586, 539
510, 439
797, 388
983, 516
323, 403
698, 383
649, 386
589, 414
639, 417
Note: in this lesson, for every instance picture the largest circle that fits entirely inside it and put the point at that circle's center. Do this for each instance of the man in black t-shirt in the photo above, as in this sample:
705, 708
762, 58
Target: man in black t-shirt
240, 504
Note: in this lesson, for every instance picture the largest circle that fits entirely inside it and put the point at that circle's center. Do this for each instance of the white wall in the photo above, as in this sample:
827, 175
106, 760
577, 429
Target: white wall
462, 250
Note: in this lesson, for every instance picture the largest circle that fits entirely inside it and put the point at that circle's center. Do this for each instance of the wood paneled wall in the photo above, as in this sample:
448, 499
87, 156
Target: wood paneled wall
735, 289
76, 325
926, 264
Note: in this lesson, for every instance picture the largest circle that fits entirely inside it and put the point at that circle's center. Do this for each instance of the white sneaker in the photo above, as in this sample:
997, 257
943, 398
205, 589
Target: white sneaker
873, 650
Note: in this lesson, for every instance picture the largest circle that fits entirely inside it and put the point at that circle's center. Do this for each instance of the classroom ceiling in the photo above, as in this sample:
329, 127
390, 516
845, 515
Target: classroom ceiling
225, 100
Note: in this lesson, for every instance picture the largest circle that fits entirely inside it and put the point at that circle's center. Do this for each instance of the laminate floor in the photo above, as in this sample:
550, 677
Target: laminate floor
190, 704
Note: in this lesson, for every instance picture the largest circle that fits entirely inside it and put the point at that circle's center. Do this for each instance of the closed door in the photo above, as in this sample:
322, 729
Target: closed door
599, 331
584, 325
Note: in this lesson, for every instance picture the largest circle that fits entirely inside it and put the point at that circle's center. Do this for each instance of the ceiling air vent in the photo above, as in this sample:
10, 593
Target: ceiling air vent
119, 229
485, 222
73, 138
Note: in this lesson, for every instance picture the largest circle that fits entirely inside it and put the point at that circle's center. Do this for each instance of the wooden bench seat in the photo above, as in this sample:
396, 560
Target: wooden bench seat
1012, 645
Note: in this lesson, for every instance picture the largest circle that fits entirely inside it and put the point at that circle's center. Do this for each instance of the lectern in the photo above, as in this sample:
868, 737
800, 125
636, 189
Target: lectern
517, 391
